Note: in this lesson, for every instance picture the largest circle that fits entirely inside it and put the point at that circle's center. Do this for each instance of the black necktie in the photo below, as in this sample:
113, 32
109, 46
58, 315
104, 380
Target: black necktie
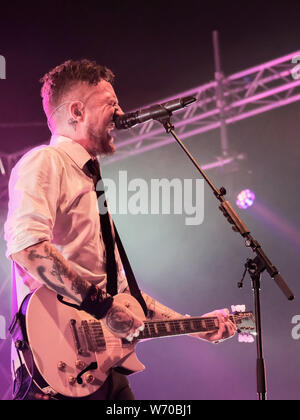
106, 228
92, 169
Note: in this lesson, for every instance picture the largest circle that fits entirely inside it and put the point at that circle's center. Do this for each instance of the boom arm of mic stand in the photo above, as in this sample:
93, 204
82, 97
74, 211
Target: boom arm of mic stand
233, 218
239, 226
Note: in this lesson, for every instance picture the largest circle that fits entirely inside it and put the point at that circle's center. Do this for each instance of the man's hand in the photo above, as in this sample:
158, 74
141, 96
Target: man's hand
227, 328
123, 323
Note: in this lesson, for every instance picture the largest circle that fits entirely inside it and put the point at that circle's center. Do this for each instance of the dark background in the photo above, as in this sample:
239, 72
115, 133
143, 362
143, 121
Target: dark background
157, 49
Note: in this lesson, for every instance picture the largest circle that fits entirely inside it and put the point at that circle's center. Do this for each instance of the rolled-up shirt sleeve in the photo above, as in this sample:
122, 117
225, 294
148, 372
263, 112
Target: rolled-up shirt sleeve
34, 191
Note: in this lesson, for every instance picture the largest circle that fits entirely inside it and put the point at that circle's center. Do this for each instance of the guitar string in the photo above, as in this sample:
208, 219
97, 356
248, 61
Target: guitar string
198, 320
151, 331
187, 324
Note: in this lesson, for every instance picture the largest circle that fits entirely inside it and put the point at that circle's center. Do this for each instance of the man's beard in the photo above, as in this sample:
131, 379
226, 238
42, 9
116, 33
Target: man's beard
101, 142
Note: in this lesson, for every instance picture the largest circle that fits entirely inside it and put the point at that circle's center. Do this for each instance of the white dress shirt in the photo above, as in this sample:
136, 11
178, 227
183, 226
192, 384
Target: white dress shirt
51, 198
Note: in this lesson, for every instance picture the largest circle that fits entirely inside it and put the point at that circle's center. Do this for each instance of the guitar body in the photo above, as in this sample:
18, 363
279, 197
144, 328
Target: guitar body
73, 353
65, 341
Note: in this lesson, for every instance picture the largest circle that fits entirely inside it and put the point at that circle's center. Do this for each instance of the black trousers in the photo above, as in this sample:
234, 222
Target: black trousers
116, 388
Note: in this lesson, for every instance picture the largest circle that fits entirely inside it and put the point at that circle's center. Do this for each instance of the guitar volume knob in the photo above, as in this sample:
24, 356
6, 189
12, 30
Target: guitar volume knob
80, 364
89, 379
61, 366
71, 380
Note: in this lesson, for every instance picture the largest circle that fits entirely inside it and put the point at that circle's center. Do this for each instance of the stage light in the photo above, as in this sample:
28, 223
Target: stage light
245, 199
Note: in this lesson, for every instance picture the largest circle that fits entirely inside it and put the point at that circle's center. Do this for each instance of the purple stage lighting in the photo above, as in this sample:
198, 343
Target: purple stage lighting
245, 199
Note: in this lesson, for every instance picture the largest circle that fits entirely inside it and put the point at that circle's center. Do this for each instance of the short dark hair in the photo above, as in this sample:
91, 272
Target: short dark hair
59, 80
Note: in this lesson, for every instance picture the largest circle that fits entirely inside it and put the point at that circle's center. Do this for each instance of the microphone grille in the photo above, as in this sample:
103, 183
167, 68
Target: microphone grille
125, 121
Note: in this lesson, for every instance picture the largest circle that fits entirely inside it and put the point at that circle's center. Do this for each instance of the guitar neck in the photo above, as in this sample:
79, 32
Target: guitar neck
180, 326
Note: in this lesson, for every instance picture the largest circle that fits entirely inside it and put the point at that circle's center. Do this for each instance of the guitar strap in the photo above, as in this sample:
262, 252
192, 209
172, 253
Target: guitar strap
131, 280
132, 283
92, 168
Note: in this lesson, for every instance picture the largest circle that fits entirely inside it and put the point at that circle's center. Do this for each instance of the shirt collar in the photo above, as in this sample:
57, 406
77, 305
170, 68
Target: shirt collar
73, 149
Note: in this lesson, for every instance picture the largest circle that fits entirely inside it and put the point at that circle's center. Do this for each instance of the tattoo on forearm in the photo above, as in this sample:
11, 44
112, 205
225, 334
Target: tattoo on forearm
80, 286
59, 270
59, 289
158, 310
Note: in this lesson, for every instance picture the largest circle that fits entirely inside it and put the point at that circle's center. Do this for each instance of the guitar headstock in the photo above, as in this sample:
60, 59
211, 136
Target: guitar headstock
245, 323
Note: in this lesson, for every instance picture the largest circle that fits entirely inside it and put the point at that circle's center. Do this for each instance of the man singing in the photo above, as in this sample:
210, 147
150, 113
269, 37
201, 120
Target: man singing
54, 234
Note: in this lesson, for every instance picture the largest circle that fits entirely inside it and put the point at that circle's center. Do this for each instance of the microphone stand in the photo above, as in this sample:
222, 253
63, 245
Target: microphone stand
255, 266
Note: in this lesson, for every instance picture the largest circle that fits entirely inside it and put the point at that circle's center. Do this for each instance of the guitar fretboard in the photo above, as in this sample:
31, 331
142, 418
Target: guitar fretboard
160, 328
180, 326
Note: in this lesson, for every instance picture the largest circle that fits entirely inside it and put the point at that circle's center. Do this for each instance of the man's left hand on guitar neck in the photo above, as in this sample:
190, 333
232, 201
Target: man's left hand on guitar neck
226, 328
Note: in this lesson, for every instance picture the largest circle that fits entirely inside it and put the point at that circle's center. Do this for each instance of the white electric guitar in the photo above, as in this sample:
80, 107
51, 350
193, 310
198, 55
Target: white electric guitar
73, 352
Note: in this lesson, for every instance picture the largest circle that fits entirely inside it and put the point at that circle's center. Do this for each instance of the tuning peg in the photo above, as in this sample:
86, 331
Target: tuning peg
245, 338
238, 308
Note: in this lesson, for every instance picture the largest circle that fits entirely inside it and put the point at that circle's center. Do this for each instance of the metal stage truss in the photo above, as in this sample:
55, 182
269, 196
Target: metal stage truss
223, 101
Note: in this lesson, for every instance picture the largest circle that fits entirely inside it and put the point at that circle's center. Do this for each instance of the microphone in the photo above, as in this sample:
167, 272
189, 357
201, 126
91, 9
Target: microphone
152, 113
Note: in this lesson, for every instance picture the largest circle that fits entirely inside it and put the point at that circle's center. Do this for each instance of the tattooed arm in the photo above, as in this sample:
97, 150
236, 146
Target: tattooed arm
156, 309
45, 264
159, 311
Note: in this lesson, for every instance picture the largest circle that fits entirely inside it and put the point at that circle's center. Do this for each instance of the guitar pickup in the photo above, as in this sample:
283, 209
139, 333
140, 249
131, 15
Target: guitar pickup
76, 338
94, 335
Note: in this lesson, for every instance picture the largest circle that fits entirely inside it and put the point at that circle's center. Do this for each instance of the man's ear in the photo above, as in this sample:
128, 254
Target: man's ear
77, 109
77, 112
